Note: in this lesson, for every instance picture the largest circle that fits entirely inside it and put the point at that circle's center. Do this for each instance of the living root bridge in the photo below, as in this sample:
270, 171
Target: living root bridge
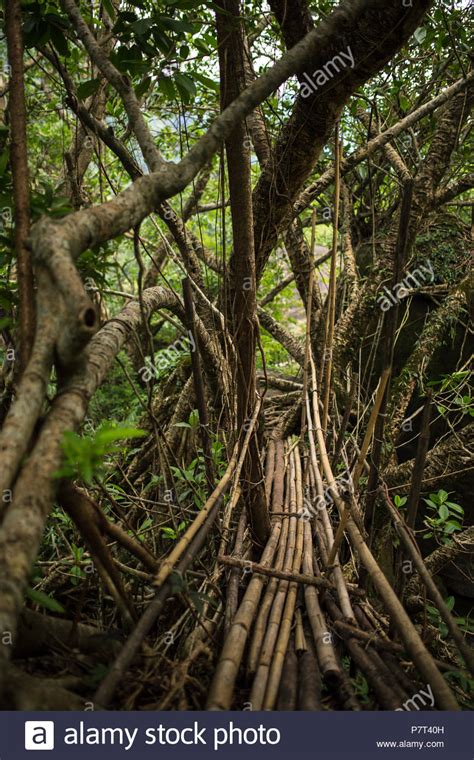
296, 623
278, 635
298, 615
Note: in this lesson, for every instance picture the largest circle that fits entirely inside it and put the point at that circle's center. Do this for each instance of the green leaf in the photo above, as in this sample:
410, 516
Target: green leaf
400, 501
142, 26
166, 86
44, 600
147, 523
443, 512
108, 5
163, 42
404, 102
142, 88
206, 81
194, 419
451, 527
5, 322
59, 41
88, 88
185, 85
178, 25
420, 34
3, 162
109, 435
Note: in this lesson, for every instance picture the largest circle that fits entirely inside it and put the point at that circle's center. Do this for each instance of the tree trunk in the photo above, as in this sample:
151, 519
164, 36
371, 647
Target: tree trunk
243, 294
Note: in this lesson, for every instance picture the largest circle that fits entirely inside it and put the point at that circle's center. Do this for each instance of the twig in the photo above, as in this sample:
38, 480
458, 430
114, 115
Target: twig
309, 580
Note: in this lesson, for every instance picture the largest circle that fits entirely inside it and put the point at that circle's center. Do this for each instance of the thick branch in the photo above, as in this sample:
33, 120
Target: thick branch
21, 190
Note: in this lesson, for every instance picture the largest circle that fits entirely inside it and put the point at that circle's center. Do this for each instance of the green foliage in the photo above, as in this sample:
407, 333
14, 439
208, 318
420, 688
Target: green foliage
452, 393
46, 200
144, 527
446, 247
192, 423
361, 688
167, 360
116, 400
173, 534
44, 22
197, 599
83, 457
446, 518
460, 680
44, 600
465, 624
191, 480
359, 682
400, 501
75, 567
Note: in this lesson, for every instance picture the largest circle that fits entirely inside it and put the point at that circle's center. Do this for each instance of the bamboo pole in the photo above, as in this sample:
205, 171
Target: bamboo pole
309, 312
309, 679
259, 685
360, 463
359, 466
329, 337
301, 578
387, 693
269, 469
419, 465
222, 686
232, 597
270, 591
415, 487
335, 570
415, 647
281, 647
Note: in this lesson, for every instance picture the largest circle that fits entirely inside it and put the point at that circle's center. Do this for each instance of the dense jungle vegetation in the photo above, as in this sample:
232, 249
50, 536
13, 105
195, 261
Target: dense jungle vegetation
236, 426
